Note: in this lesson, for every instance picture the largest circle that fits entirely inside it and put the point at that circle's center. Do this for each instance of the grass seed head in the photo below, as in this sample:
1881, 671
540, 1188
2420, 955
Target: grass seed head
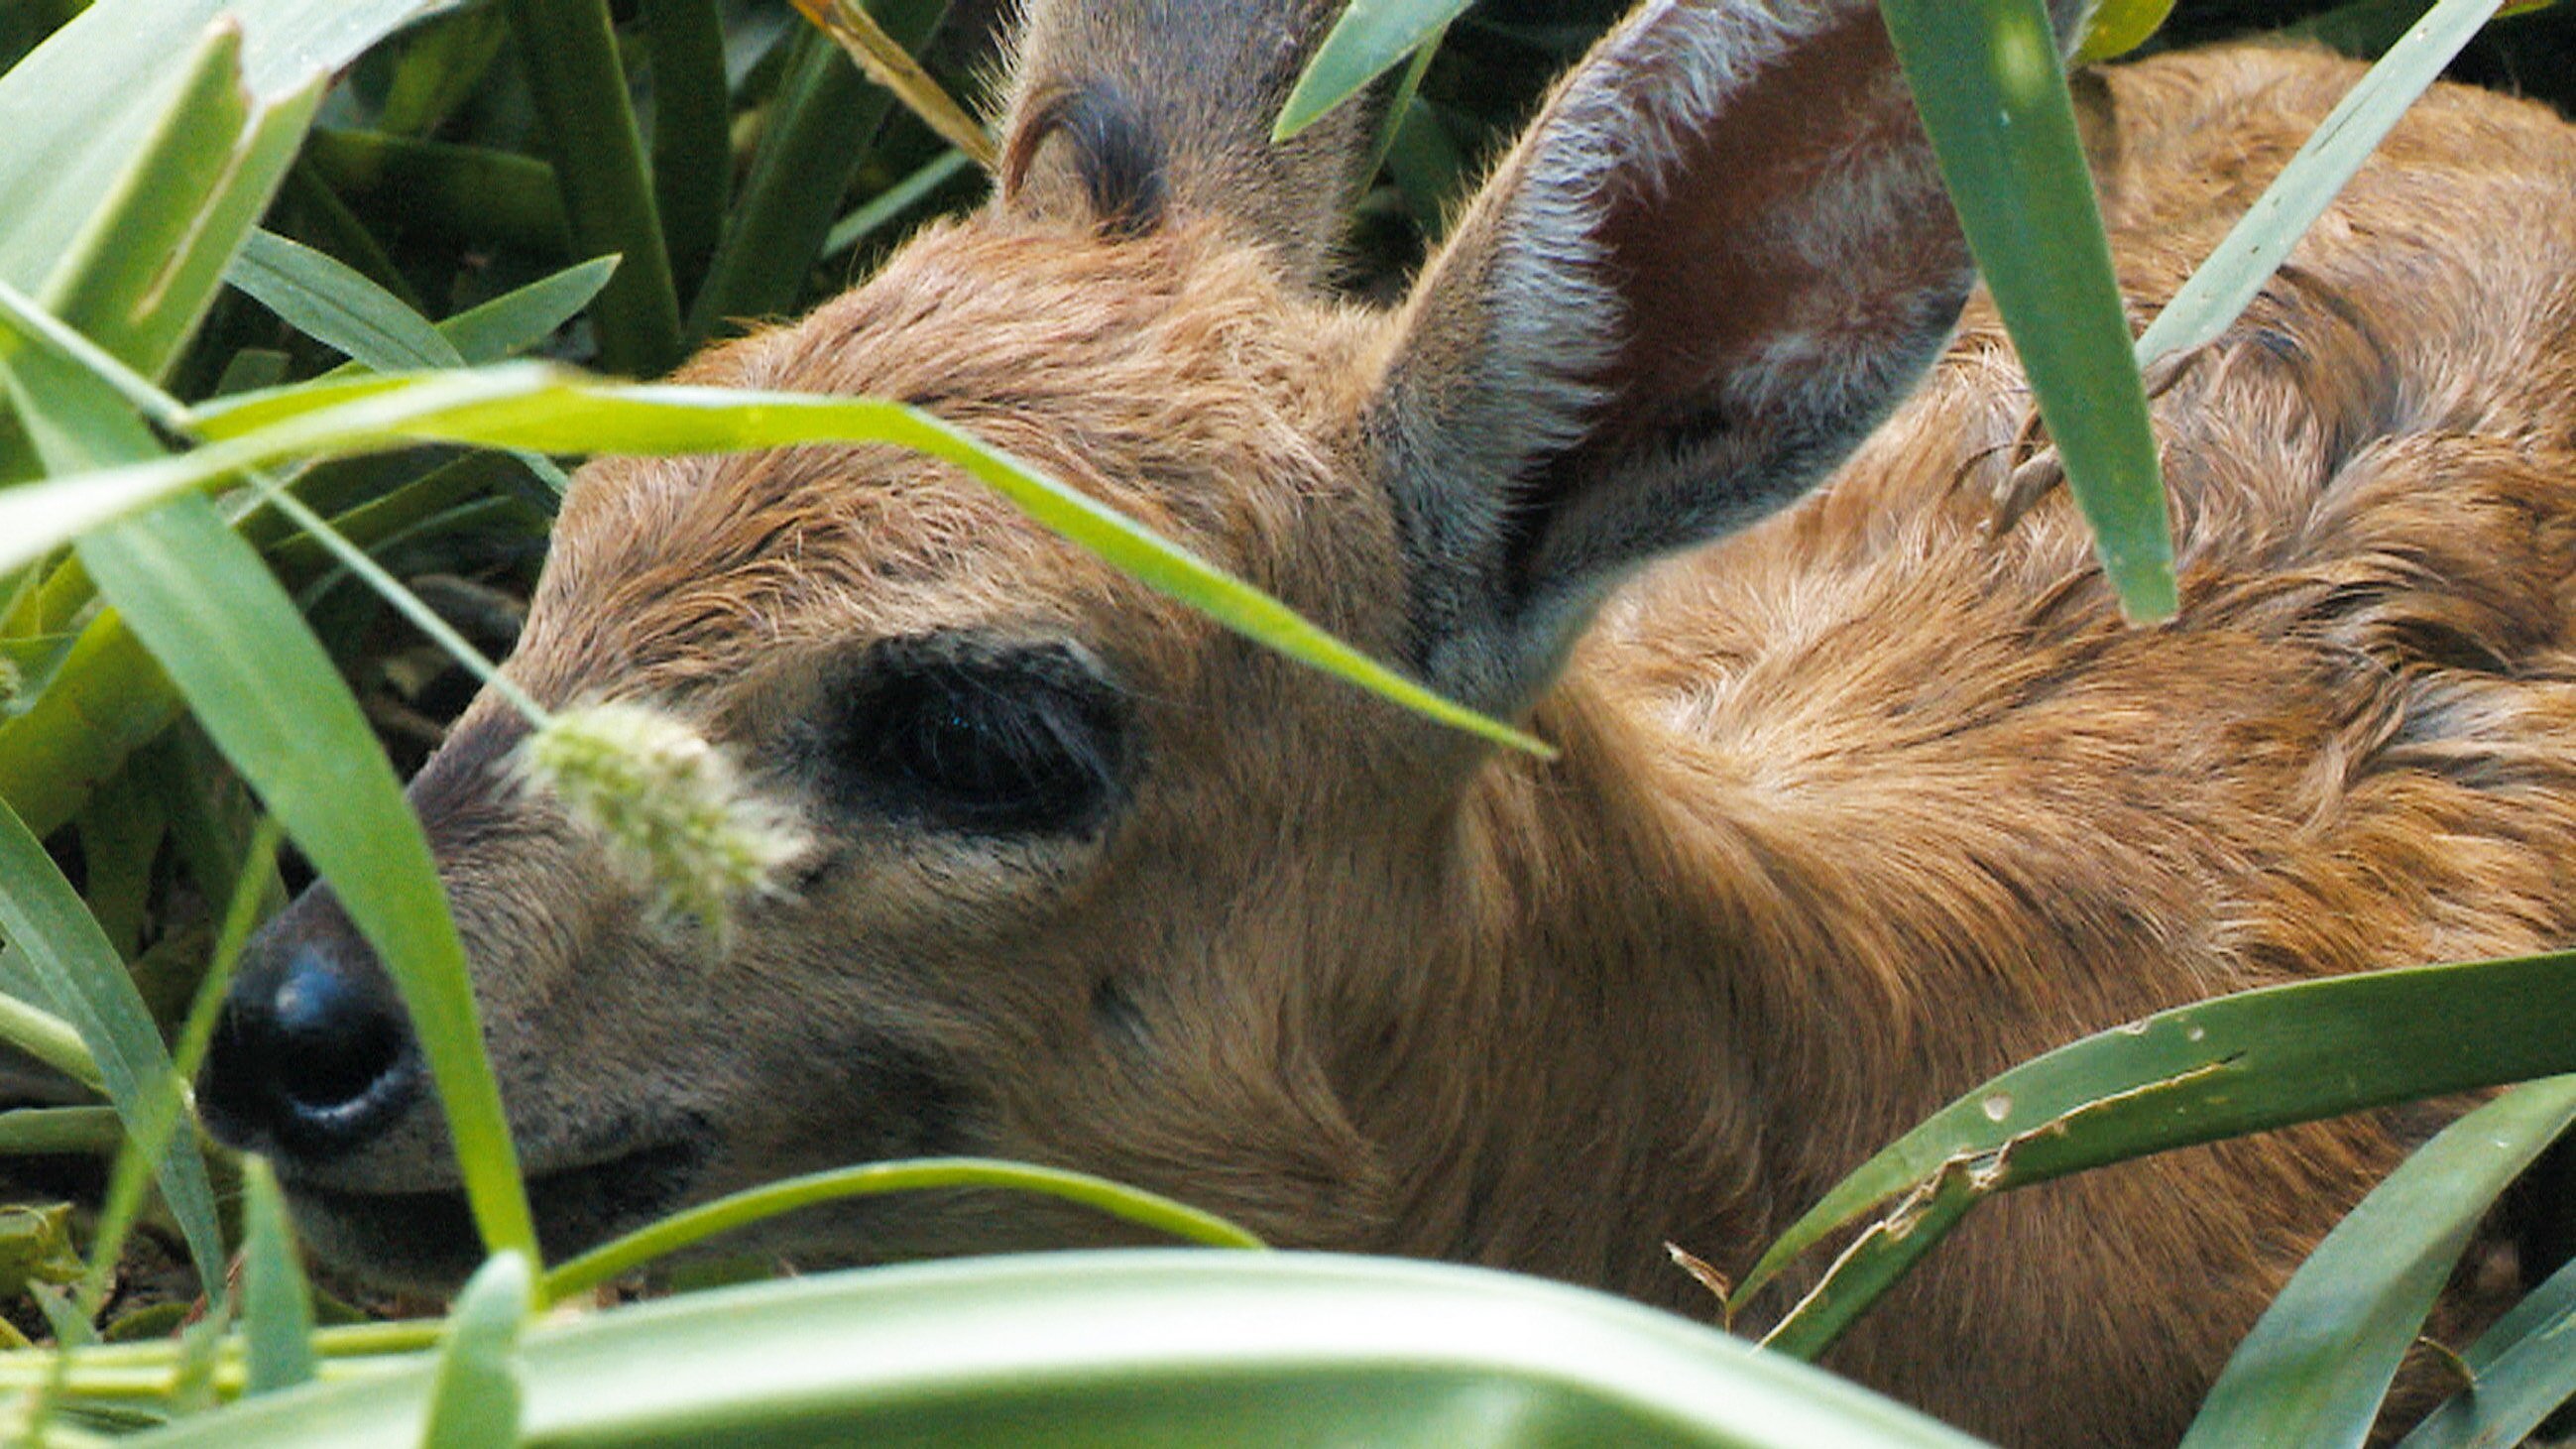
672, 809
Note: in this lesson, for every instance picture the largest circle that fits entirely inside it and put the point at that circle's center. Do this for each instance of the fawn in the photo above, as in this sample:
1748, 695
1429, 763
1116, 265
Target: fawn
1865, 792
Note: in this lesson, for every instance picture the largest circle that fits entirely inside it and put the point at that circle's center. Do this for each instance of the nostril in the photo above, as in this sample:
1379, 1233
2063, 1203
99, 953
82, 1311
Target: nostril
334, 1041
311, 1056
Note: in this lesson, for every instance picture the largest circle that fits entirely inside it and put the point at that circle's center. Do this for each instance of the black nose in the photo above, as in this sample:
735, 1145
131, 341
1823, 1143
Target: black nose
312, 1056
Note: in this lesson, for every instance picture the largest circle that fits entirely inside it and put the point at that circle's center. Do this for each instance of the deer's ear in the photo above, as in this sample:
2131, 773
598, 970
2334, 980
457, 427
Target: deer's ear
1716, 260
1124, 114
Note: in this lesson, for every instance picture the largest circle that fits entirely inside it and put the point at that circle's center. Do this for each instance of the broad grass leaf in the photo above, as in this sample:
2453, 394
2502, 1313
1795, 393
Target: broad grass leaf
2219, 1068
276, 1306
2317, 1367
1372, 38
140, 275
1986, 79
1133, 1347
475, 1400
75, 112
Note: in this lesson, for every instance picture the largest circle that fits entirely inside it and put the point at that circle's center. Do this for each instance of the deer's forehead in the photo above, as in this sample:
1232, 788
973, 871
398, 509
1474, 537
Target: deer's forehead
670, 574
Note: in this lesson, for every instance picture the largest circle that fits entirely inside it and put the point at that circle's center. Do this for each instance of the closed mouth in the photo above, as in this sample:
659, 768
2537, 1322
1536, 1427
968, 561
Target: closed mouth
429, 1239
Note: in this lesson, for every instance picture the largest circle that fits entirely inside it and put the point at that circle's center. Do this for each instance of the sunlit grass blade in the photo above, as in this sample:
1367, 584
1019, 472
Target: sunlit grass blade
2217, 294
81, 105
42, 916
2220, 1068
2120, 26
1985, 77
1372, 38
277, 1308
331, 303
141, 277
688, 1229
535, 408
2318, 1365
1144, 1348
2524, 1367
475, 1398
268, 695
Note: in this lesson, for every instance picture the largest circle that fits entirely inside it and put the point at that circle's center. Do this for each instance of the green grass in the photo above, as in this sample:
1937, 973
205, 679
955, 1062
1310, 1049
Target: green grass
261, 288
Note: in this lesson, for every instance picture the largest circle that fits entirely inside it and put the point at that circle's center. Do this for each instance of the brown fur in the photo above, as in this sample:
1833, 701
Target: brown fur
1856, 807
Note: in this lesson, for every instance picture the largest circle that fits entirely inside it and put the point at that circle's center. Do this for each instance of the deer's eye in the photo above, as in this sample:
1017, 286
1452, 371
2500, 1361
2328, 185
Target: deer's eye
1016, 742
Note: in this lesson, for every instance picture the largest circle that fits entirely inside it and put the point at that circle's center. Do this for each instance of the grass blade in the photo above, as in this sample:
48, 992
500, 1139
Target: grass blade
44, 918
516, 321
277, 1308
570, 52
2525, 1367
890, 65
1372, 38
334, 305
2216, 294
1131, 1348
79, 107
2219, 1068
687, 1229
2318, 1365
139, 279
1986, 79
692, 132
529, 407
474, 1402
200, 598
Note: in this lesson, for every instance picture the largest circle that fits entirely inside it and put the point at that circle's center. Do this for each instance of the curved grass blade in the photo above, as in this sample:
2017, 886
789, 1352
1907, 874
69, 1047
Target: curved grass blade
2524, 1368
277, 1308
68, 1131
2318, 1365
696, 1225
200, 598
474, 1401
2216, 294
2219, 1068
1986, 79
1138, 1348
1372, 38
536, 408
44, 919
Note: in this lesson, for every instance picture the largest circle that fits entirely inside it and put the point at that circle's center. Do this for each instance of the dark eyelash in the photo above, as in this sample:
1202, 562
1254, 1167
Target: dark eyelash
1013, 741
